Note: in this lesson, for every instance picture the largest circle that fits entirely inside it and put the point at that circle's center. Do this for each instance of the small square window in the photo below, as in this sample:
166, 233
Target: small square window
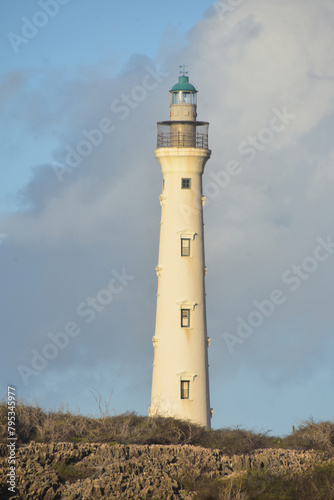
185, 247
185, 389
186, 183
185, 318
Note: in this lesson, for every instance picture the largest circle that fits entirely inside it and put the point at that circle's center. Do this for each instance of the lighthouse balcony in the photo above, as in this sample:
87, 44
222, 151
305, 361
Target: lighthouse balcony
183, 134
180, 140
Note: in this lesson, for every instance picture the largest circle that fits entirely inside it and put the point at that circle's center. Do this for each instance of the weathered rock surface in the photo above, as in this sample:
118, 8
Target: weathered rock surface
132, 472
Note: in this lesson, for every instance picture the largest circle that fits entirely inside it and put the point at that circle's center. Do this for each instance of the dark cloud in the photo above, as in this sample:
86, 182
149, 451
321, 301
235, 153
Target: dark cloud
69, 237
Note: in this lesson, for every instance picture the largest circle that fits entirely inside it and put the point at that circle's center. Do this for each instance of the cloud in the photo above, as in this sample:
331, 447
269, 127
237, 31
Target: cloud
259, 223
10, 85
68, 236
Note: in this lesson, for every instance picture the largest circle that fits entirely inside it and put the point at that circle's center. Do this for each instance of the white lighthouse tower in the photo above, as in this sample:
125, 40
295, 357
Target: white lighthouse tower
180, 383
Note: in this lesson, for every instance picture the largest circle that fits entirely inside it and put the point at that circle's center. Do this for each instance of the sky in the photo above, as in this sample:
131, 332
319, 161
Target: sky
82, 86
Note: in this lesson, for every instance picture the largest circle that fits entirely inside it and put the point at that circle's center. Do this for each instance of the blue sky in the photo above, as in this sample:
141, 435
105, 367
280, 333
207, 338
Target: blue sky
265, 78
80, 34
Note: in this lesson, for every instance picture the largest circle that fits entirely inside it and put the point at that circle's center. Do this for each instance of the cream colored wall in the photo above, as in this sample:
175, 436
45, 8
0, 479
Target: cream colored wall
183, 112
181, 352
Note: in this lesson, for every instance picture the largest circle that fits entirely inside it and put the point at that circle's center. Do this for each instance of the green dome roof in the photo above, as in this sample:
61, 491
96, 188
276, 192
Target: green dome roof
183, 84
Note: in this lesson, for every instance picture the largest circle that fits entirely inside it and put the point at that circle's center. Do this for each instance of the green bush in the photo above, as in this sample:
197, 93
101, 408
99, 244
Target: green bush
70, 472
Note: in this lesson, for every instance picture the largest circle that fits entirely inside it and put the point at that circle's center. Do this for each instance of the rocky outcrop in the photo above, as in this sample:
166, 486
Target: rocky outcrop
74, 471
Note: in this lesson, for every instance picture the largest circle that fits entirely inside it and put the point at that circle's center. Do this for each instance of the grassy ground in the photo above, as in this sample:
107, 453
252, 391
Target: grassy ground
316, 484
34, 424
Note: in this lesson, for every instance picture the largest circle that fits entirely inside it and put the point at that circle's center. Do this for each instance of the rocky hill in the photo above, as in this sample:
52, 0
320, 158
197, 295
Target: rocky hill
61, 455
74, 471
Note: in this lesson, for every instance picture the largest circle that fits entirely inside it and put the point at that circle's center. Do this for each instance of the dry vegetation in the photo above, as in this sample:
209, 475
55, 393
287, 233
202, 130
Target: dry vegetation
317, 484
34, 424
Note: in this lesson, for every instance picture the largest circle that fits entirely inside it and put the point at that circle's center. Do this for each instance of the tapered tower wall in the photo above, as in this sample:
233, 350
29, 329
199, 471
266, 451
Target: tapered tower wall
180, 384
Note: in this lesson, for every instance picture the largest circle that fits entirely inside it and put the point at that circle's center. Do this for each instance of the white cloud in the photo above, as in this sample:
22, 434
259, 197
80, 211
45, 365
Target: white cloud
261, 57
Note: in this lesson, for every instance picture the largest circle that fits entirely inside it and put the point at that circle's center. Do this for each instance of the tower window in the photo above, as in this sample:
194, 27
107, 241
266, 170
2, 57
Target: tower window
185, 318
185, 247
185, 389
186, 184
182, 97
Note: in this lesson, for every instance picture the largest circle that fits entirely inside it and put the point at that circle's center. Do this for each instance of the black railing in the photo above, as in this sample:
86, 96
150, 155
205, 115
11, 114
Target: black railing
180, 140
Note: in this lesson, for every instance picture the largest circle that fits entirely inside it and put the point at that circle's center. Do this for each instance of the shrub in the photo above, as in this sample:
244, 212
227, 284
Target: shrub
34, 424
71, 472
236, 441
316, 484
312, 435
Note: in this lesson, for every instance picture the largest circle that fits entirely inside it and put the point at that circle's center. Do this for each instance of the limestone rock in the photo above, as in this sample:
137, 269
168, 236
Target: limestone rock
72, 471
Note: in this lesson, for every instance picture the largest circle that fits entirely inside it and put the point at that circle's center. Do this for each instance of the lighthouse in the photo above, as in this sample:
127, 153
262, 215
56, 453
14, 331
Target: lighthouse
180, 381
